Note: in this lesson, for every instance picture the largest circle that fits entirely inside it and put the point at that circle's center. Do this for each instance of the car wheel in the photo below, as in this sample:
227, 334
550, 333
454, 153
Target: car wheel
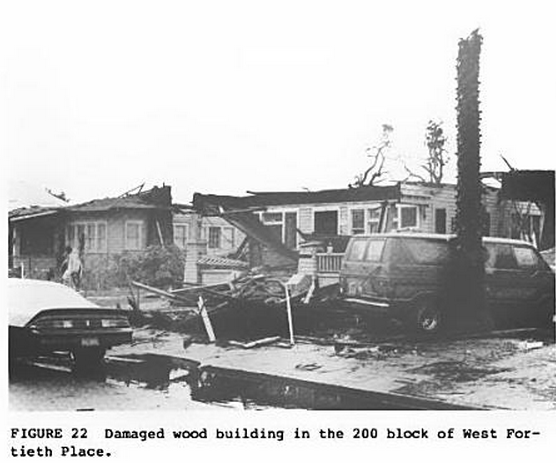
427, 318
88, 359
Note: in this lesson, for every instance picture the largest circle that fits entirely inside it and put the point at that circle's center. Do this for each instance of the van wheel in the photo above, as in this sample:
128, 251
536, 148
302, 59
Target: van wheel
427, 318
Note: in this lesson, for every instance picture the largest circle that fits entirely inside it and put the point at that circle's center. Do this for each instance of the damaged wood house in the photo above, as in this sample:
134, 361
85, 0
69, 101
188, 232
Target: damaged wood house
103, 230
307, 232
222, 236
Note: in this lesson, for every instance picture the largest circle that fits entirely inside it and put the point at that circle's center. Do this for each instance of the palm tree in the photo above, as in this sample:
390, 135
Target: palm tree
470, 268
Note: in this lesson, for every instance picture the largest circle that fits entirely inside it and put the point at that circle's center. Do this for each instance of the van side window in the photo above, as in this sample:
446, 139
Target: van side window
428, 252
502, 257
357, 250
374, 251
526, 258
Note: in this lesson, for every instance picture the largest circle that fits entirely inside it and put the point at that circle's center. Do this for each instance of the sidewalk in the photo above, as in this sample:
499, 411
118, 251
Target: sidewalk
483, 373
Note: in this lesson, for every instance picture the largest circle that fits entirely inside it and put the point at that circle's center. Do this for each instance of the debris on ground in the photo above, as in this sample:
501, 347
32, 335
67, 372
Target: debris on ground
257, 343
528, 345
252, 306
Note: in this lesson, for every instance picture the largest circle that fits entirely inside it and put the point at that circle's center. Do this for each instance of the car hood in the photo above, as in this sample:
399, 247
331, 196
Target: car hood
26, 298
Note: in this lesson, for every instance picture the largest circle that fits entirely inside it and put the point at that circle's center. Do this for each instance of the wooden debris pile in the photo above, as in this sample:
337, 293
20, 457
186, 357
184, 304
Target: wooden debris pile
249, 307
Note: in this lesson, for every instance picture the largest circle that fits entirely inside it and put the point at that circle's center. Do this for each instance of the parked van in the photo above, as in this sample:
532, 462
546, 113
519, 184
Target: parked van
407, 276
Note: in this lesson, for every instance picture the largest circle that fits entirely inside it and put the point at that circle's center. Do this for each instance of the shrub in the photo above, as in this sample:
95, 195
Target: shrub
157, 266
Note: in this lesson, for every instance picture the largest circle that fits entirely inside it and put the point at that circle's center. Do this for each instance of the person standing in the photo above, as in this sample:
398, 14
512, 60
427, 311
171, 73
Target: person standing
73, 269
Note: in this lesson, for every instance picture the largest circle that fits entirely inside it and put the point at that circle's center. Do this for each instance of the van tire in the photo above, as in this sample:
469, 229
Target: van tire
426, 318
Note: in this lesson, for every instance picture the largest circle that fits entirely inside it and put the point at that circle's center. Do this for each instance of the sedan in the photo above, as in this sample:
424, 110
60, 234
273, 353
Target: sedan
47, 317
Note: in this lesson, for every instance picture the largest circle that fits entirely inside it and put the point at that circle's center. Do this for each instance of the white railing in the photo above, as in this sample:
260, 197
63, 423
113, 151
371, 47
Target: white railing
329, 262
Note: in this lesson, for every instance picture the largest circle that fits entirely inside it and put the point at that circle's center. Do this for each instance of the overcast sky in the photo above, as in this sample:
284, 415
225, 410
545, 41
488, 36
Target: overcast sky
229, 96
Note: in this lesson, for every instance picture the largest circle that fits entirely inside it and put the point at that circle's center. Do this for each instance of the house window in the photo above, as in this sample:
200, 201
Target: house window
357, 221
89, 236
133, 235
180, 235
228, 237
282, 225
214, 237
374, 220
526, 227
408, 217
274, 221
101, 236
326, 223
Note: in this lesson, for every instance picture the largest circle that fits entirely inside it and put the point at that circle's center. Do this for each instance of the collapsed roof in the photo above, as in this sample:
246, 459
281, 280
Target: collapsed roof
238, 210
155, 198
214, 204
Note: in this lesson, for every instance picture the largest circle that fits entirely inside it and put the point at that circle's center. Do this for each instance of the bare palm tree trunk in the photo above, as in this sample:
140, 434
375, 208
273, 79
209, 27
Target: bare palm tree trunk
469, 269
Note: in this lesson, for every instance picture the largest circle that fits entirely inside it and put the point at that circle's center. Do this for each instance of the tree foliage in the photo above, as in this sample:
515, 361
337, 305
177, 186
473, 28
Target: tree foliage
437, 156
375, 172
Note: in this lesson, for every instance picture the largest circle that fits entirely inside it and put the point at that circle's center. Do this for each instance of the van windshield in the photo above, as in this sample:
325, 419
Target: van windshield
374, 251
357, 250
428, 252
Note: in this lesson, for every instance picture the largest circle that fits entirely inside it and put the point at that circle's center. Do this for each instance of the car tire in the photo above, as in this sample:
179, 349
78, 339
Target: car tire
426, 318
88, 359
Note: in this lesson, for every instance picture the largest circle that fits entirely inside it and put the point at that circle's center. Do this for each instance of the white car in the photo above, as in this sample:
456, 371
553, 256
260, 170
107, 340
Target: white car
45, 317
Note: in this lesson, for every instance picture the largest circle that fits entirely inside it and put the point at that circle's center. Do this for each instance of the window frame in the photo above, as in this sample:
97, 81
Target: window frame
372, 220
214, 228
139, 224
325, 208
281, 222
360, 230
72, 237
185, 240
398, 218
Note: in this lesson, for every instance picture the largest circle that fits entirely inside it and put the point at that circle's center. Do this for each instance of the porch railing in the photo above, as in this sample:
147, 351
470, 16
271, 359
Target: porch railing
329, 262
